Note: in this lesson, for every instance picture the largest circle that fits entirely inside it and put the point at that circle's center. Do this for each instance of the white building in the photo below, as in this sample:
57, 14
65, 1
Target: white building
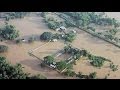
73, 31
53, 66
54, 40
62, 28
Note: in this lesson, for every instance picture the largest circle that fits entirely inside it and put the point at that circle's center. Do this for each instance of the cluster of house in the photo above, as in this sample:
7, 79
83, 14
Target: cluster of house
62, 29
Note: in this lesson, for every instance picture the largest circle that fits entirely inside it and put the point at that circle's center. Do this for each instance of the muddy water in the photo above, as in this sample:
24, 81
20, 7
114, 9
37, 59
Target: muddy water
19, 53
100, 48
115, 15
33, 25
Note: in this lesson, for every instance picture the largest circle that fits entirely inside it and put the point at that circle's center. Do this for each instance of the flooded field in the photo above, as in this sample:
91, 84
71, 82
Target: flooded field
34, 26
97, 47
19, 53
115, 15
49, 49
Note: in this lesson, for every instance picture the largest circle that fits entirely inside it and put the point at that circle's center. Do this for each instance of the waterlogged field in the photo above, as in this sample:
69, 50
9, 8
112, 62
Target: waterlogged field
34, 25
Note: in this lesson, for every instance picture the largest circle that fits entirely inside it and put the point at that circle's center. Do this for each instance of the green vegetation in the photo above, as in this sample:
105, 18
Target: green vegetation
52, 21
69, 73
61, 65
3, 48
31, 39
85, 18
18, 41
47, 36
92, 75
91, 28
48, 60
113, 67
8, 71
13, 15
9, 32
39, 76
96, 61
69, 36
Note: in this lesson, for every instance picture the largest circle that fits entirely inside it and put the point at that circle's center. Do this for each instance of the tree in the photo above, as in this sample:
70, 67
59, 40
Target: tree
113, 31
3, 48
47, 36
113, 67
18, 41
9, 32
67, 48
49, 60
8, 71
52, 25
61, 65
38, 77
92, 75
31, 39
69, 37
69, 73
97, 61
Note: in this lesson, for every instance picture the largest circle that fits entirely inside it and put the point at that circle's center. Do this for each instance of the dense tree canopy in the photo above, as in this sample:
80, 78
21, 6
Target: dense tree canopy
49, 60
8, 71
47, 36
3, 48
9, 32
13, 15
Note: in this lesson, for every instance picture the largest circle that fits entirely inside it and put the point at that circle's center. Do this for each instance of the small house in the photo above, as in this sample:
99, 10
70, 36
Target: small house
54, 40
73, 31
63, 35
62, 28
57, 29
53, 66
23, 40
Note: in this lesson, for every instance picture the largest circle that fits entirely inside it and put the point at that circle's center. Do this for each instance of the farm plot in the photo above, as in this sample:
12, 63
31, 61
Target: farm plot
48, 49
86, 68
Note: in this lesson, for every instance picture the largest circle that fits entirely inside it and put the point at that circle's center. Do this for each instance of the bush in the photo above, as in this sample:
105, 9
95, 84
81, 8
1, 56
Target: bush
81, 76
113, 67
97, 63
47, 36
18, 41
91, 28
9, 32
61, 65
53, 25
69, 73
113, 31
8, 71
31, 39
67, 49
38, 77
13, 15
57, 36
69, 37
42, 64
3, 48
92, 75
48, 60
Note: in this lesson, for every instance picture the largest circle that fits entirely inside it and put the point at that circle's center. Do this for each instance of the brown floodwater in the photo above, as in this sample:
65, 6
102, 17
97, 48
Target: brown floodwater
33, 26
